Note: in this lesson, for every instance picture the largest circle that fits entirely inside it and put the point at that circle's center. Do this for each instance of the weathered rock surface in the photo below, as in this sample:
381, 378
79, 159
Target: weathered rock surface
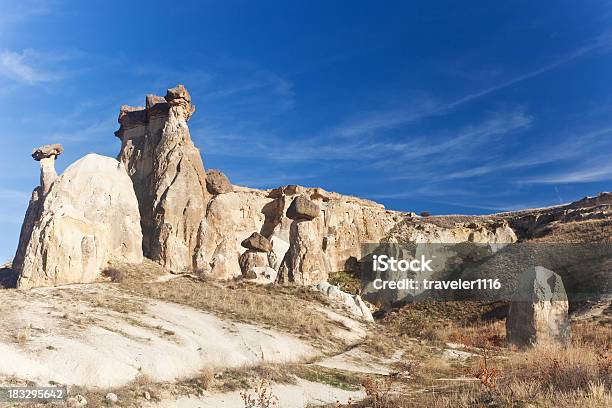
302, 209
224, 263
89, 218
251, 259
230, 219
261, 274
352, 303
169, 178
46, 155
47, 151
539, 310
257, 242
217, 182
304, 262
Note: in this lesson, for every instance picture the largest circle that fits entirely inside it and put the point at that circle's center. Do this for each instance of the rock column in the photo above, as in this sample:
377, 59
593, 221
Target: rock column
304, 263
46, 155
538, 310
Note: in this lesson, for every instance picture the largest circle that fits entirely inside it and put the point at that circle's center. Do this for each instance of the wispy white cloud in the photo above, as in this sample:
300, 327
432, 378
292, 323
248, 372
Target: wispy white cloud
426, 106
19, 11
591, 172
33, 67
571, 147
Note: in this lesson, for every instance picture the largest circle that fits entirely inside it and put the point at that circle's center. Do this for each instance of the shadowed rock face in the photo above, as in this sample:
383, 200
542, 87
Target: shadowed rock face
539, 310
169, 178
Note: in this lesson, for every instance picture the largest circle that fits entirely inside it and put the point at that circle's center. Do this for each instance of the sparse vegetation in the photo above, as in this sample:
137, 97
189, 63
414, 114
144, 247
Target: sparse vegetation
347, 281
278, 307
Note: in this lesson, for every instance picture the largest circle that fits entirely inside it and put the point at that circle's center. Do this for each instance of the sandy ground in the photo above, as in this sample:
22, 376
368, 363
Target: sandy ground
301, 395
97, 336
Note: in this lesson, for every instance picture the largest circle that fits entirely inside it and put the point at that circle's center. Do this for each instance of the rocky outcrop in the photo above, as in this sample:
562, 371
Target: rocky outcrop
257, 242
352, 303
217, 182
539, 310
302, 208
46, 155
169, 178
252, 259
304, 263
261, 275
230, 219
88, 219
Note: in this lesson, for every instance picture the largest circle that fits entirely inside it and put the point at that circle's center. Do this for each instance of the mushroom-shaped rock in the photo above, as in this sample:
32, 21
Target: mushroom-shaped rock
87, 220
168, 176
538, 310
46, 156
179, 97
304, 262
302, 209
47, 151
217, 182
257, 242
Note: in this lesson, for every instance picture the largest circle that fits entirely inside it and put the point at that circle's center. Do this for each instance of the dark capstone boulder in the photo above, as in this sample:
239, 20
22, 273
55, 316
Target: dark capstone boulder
302, 209
217, 182
257, 242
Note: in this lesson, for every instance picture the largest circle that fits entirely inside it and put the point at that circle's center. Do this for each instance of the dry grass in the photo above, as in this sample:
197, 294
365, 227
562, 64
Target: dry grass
287, 308
487, 335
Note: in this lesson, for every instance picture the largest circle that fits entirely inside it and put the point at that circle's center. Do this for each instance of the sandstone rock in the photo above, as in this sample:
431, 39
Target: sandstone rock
261, 274
279, 249
77, 401
302, 209
111, 398
89, 218
179, 97
47, 151
539, 310
224, 262
257, 242
251, 259
232, 216
304, 263
31, 218
352, 303
46, 156
217, 182
169, 179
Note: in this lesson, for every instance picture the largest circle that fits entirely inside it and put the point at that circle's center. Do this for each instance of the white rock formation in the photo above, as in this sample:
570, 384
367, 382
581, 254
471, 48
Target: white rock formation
89, 218
304, 262
539, 310
46, 155
352, 303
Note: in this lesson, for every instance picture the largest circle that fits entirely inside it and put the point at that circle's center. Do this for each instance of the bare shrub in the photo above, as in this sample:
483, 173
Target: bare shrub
261, 397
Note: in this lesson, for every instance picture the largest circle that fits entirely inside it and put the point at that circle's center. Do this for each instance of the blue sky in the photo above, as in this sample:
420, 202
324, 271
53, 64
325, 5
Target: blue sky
450, 107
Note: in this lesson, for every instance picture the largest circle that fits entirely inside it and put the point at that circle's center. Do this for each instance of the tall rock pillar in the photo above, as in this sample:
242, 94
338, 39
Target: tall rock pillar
46, 155
169, 178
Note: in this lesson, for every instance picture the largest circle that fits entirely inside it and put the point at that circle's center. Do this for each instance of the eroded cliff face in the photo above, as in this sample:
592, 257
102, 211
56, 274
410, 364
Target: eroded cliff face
169, 178
187, 226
